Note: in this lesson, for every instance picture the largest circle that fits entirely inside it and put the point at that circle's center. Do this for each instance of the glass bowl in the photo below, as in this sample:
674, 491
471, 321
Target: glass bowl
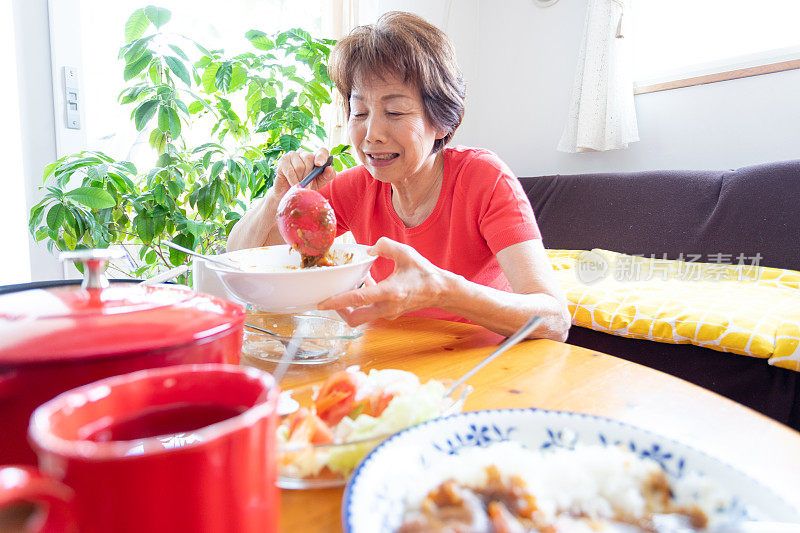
316, 466
324, 339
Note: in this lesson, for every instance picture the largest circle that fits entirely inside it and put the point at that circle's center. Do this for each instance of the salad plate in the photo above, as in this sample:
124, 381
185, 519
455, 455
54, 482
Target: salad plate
378, 493
340, 421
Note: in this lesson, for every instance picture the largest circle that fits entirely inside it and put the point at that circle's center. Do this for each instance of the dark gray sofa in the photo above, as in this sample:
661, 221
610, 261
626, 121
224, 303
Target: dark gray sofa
751, 210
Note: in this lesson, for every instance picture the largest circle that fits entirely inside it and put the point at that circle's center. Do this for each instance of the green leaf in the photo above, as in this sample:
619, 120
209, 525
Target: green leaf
174, 189
319, 91
288, 99
144, 113
179, 51
91, 197
134, 69
157, 15
202, 49
37, 213
206, 146
197, 229
160, 193
348, 159
56, 216
179, 69
41, 233
268, 104
216, 169
300, 34
222, 78
181, 239
136, 25
169, 121
238, 77
50, 168
145, 228
97, 172
72, 227
132, 50
209, 77
289, 142
195, 107
207, 199
322, 73
174, 124
260, 40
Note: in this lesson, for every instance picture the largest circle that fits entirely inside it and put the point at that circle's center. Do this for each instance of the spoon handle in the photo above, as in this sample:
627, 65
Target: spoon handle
520, 334
201, 256
316, 172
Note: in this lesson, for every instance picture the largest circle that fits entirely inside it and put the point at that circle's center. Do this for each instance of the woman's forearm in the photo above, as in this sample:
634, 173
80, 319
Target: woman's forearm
258, 226
505, 312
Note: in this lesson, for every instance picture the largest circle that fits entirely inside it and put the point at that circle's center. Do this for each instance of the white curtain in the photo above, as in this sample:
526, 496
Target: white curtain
344, 19
602, 115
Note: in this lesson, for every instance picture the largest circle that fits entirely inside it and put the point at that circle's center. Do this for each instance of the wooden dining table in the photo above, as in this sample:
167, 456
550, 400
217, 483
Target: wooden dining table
552, 375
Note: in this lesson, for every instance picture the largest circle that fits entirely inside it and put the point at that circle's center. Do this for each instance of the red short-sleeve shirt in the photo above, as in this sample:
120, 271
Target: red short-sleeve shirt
481, 210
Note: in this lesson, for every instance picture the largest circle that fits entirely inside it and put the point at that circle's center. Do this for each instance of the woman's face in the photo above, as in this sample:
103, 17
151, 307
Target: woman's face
389, 130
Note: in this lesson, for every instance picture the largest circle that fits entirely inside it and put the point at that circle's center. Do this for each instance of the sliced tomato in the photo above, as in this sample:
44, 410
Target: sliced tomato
378, 403
336, 397
305, 426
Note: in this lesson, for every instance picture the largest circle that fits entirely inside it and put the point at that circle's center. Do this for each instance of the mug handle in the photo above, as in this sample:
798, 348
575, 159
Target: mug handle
20, 484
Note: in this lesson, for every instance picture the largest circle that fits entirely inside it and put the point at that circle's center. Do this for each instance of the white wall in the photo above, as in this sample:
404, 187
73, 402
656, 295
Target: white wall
16, 266
37, 124
519, 62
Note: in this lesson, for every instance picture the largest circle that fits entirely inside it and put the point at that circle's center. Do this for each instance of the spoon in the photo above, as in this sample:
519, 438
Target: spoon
202, 256
519, 335
306, 220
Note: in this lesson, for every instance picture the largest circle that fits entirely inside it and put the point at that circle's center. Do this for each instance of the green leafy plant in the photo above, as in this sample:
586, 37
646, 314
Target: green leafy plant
248, 109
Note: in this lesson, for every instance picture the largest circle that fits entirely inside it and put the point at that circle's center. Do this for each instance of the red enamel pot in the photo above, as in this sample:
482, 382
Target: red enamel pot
58, 338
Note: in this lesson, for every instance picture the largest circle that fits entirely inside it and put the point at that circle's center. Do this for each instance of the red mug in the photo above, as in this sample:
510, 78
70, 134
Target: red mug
182, 448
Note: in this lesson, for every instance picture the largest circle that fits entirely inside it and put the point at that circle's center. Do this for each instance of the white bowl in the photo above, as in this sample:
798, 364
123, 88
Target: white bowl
273, 280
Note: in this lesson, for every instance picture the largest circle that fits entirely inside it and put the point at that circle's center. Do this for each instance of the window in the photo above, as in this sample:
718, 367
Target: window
212, 23
687, 42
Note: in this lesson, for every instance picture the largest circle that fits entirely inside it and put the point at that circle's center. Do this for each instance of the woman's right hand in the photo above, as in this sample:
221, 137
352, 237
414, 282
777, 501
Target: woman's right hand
258, 226
294, 166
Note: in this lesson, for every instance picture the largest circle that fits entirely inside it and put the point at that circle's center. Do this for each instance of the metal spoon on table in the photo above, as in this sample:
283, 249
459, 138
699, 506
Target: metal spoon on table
519, 335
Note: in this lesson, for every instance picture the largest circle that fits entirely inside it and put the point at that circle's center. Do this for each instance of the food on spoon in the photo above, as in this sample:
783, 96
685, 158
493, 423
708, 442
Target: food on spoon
589, 488
354, 406
307, 222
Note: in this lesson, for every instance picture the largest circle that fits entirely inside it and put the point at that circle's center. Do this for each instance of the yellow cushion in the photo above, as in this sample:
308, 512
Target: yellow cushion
744, 309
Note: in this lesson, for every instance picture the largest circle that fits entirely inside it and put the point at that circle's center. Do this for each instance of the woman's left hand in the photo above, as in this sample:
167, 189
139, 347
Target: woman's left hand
416, 283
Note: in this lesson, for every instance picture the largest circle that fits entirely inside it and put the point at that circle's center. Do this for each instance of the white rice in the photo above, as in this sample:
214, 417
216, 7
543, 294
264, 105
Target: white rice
597, 481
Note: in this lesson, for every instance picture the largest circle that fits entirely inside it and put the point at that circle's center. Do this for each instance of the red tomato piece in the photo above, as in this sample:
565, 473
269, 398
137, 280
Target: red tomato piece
305, 426
378, 403
336, 397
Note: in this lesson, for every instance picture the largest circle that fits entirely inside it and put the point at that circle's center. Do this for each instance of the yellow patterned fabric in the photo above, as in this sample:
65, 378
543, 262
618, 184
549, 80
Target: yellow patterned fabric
742, 309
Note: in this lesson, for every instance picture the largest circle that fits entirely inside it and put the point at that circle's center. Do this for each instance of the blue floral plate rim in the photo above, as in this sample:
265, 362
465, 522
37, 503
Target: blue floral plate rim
346, 509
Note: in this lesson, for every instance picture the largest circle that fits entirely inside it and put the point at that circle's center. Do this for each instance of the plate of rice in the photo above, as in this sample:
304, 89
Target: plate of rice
548, 471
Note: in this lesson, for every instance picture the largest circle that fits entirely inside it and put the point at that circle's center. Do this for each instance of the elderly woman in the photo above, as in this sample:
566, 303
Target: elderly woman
455, 234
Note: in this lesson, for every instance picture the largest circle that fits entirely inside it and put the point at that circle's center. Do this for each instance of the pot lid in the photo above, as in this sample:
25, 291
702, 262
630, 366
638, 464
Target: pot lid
67, 323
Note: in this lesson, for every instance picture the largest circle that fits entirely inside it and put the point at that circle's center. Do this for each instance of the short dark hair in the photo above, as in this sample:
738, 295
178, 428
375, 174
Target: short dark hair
407, 45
